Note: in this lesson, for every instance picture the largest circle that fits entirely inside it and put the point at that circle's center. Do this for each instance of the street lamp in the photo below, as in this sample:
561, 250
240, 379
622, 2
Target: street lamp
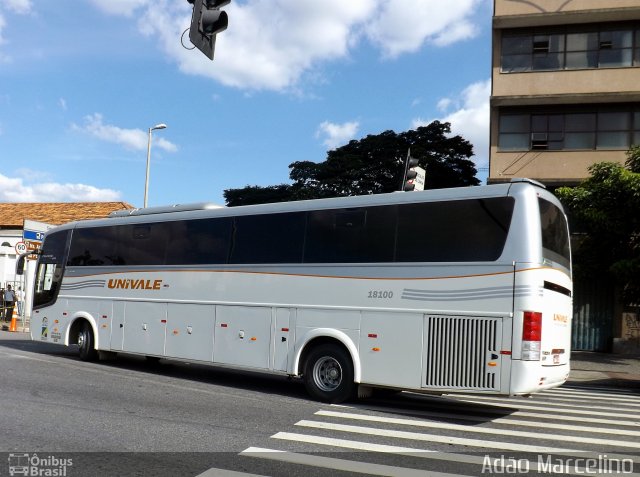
146, 180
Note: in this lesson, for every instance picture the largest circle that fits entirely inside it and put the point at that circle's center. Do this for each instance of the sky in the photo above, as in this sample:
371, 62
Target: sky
82, 81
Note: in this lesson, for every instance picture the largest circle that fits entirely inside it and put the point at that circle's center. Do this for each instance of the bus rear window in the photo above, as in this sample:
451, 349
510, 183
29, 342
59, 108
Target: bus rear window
555, 234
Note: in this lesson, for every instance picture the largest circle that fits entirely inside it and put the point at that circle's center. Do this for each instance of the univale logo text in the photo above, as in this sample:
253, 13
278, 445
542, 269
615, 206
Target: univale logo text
130, 284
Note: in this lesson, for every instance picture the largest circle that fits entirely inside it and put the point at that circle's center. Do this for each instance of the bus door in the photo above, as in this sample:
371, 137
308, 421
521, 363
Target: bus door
117, 325
283, 338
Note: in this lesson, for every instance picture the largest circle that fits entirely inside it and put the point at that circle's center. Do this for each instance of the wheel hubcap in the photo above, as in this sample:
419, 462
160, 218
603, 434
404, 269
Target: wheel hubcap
327, 373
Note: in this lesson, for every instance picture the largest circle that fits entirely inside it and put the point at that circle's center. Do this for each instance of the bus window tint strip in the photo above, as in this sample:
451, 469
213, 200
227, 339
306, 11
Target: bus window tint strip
449, 231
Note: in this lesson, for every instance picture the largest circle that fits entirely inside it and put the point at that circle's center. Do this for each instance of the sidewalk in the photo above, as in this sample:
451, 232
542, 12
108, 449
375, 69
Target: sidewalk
605, 369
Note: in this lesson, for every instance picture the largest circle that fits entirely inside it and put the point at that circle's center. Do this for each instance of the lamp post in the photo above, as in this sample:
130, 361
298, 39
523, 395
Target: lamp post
146, 180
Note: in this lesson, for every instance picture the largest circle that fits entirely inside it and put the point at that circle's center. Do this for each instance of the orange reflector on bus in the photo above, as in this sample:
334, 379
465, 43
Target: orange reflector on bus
492, 363
375, 349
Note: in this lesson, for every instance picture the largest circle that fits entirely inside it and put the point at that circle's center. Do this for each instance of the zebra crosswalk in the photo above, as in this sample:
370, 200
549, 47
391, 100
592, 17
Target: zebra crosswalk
565, 431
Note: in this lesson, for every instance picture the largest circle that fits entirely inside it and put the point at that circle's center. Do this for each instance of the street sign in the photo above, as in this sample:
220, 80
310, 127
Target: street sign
421, 174
33, 235
21, 248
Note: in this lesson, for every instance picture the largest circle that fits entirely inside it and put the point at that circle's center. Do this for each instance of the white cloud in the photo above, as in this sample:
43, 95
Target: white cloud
273, 44
3, 23
18, 6
470, 118
135, 139
119, 7
15, 190
162, 143
3, 58
269, 44
403, 26
63, 104
33, 175
444, 104
336, 135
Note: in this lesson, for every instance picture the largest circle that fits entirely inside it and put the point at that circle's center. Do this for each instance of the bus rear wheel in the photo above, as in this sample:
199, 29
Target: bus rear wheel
328, 374
86, 343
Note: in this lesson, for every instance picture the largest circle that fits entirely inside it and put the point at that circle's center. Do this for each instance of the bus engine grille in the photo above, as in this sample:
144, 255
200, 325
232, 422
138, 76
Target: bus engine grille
458, 351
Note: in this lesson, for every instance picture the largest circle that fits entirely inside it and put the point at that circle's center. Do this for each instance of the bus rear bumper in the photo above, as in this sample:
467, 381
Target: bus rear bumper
530, 376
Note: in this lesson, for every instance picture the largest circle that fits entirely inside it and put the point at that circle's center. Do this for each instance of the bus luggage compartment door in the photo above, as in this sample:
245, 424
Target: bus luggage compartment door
145, 328
462, 352
242, 336
190, 330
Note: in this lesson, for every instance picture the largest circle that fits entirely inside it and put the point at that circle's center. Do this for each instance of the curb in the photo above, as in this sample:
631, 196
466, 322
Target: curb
610, 379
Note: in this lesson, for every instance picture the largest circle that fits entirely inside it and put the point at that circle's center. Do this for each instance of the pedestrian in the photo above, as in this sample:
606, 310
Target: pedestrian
9, 302
2, 310
20, 301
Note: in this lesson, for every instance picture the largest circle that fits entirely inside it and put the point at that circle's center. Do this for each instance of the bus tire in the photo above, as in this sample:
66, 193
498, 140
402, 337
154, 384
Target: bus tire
328, 374
86, 343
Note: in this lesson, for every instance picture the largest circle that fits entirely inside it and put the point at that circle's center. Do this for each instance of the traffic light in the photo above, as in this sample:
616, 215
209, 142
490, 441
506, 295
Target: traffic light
207, 20
410, 174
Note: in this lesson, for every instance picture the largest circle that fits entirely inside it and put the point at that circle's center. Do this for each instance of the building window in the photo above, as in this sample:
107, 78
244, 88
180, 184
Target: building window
606, 46
514, 132
613, 130
545, 130
580, 131
615, 48
582, 50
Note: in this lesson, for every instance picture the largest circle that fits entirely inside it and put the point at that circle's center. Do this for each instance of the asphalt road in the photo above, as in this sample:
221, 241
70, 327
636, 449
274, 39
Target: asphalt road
53, 402
132, 417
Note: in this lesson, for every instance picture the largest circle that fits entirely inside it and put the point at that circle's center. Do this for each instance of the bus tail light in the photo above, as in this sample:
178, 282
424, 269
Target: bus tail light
531, 336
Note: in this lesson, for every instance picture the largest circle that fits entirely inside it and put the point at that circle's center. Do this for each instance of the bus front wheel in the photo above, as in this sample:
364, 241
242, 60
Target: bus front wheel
86, 343
328, 374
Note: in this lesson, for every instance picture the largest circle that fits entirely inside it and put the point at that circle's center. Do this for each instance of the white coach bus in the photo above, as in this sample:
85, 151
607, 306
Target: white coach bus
465, 289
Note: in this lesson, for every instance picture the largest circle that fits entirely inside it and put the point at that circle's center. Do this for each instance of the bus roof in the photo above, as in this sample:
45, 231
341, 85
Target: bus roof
206, 209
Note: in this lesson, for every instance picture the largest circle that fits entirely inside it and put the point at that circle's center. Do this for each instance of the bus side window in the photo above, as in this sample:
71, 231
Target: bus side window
269, 238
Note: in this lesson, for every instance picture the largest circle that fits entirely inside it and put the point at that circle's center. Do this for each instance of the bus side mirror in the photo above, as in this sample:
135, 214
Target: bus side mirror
20, 263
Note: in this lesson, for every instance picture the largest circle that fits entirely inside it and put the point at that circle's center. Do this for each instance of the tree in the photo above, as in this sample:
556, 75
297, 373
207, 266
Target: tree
372, 165
606, 209
250, 195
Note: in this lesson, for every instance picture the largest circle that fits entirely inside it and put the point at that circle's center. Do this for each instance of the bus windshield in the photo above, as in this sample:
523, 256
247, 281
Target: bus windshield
50, 264
555, 234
